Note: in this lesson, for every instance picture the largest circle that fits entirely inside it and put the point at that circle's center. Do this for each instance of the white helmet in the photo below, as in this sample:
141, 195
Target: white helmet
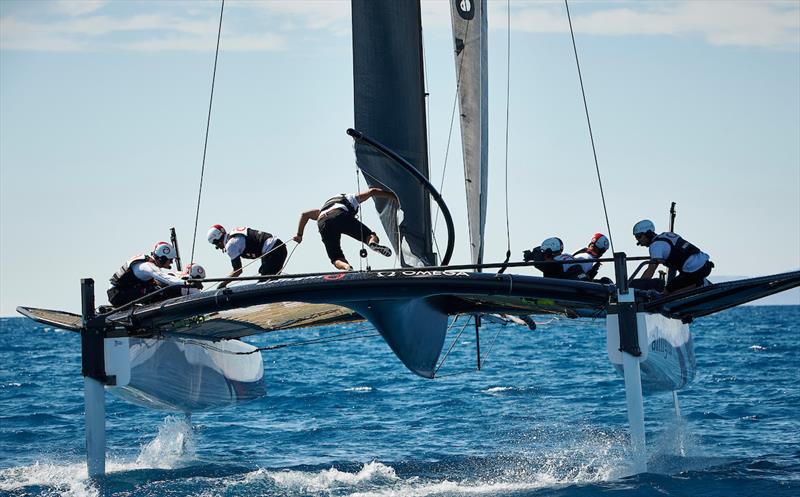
216, 233
195, 271
164, 250
600, 242
552, 246
644, 226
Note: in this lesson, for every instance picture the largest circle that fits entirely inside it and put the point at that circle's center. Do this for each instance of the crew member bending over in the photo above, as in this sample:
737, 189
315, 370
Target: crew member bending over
551, 250
595, 250
248, 243
337, 217
145, 274
674, 252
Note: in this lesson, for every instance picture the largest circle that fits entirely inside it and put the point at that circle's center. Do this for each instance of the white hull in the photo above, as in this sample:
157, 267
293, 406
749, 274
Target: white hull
184, 375
667, 362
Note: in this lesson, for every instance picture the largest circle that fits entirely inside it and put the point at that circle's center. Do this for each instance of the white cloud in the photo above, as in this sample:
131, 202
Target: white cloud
78, 7
742, 23
139, 32
265, 42
267, 25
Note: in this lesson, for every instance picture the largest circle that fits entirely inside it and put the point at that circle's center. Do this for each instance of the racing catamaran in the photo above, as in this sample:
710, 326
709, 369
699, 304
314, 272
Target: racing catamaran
155, 354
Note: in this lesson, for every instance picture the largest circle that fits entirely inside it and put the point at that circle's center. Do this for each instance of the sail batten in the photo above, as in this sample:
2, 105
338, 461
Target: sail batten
470, 42
389, 106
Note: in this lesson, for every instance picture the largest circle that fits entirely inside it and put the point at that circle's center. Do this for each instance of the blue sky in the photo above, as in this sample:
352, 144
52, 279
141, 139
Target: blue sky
103, 113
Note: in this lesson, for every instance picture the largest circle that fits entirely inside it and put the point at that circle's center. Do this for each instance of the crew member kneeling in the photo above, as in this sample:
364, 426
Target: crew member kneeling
674, 252
551, 250
145, 274
595, 250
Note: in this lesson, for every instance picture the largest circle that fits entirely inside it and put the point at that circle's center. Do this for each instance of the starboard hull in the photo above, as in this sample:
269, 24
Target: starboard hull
667, 362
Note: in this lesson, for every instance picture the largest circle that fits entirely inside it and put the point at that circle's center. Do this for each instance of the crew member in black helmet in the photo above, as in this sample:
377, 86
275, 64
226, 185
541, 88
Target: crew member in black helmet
674, 252
336, 217
242, 242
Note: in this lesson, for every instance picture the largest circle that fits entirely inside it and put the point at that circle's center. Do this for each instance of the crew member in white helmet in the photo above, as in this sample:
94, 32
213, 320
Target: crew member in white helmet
552, 250
144, 274
194, 272
674, 252
337, 217
595, 250
242, 242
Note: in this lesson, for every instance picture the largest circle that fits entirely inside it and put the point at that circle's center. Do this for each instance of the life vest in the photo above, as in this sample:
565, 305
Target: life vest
595, 267
124, 279
679, 250
563, 271
254, 241
339, 200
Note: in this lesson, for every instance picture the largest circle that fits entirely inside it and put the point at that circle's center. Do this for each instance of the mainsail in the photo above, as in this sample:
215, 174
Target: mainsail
389, 102
470, 42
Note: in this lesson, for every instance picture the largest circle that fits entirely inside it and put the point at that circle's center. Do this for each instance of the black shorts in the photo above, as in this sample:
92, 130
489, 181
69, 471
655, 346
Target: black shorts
689, 280
272, 263
336, 224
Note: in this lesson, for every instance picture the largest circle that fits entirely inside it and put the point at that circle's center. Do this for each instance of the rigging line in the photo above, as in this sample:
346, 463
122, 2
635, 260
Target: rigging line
208, 126
589, 124
337, 338
455, 341
273, 249
332, 338
452, 120
508, 111
398, 235
361, 222
286, 263
425, 93
491, 346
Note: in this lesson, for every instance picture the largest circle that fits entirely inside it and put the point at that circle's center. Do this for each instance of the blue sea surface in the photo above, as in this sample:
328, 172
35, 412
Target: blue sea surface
545, 417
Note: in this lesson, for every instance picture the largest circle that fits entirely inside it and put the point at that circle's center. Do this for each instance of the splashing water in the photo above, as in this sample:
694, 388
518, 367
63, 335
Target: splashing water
173, 447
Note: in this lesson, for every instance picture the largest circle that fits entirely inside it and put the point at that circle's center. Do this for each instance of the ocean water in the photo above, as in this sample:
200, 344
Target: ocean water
545, 417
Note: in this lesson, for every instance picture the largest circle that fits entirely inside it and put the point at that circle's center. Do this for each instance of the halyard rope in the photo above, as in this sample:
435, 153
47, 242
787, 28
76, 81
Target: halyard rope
208, 126
589, 123
455, 340
508, 107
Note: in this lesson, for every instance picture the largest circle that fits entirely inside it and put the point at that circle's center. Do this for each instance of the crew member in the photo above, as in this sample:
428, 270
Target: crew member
195, 272
336, 217
248, 243
144, 274
552, 250
674, 252
595, 250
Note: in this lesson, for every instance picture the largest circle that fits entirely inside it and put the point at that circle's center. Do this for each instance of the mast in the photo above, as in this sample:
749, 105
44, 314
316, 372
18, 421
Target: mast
471, 57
